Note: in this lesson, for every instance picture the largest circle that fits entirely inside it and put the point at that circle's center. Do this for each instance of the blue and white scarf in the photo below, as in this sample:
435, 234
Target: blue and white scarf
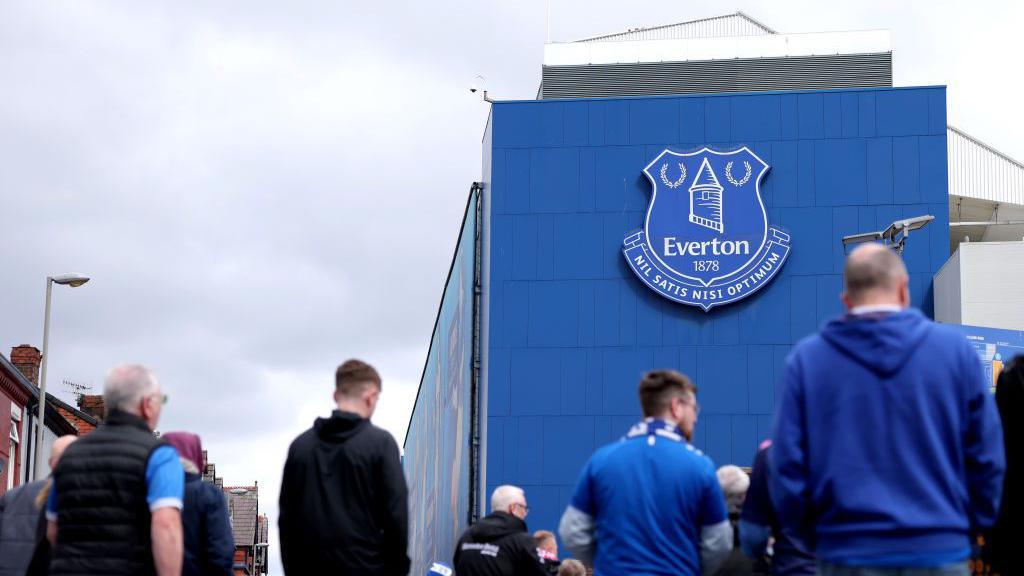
652, 427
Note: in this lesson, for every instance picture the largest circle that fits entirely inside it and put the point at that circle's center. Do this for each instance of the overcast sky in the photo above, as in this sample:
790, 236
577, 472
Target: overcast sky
260, 190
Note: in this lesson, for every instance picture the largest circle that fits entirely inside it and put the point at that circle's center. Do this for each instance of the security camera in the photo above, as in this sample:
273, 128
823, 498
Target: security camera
472, 88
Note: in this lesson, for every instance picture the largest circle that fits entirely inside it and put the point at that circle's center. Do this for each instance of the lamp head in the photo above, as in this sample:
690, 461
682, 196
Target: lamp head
906, 225
73, 280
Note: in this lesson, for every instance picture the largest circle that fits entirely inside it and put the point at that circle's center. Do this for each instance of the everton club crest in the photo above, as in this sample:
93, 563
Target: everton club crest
706, 240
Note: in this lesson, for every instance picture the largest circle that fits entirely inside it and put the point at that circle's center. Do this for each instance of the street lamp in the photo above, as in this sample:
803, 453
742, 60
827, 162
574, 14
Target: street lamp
74, 281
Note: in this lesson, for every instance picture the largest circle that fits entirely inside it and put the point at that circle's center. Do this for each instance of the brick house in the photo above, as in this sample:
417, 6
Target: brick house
248, 526
14, 396
19, 397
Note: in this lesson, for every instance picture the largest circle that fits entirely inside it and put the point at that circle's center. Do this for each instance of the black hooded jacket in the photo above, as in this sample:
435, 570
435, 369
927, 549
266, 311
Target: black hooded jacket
498, 545
344, 503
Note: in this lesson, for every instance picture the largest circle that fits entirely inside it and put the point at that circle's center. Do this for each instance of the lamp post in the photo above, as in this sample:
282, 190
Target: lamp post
74, 281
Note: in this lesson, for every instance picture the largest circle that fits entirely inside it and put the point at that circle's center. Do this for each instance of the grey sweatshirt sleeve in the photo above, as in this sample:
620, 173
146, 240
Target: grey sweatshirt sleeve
577, 531
715, 546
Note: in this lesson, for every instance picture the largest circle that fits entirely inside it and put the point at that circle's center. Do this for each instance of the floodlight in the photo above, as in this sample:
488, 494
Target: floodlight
906, 225
864, 237
895, 236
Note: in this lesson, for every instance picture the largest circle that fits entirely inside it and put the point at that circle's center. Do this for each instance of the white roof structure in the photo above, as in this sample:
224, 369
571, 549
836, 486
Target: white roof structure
738, 24
986, 192
628, 51
719, 38
977, 170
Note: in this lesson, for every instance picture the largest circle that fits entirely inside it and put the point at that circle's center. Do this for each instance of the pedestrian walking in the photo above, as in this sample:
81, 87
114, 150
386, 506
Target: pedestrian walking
499, 544
209, 542
651, 503
887, 450
734, 483
23, 524
1002, 553
344, 503
115, 507
760, 530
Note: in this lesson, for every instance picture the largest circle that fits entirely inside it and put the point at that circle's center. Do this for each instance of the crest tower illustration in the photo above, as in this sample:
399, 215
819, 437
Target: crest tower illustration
706, 199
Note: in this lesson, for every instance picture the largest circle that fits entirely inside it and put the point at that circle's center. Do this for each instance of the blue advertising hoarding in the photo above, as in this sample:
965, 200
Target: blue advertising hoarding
995, 347
437, 444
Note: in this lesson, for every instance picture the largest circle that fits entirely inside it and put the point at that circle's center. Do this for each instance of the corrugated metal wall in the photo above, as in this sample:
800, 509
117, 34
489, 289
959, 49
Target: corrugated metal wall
721, 26
976, 170
992, 284
715, 76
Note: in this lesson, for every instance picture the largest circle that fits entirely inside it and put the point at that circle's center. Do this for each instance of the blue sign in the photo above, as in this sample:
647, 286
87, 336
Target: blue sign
706, 240
995, 347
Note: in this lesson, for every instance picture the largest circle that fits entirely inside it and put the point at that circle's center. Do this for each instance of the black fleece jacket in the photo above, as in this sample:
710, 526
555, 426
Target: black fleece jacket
344, 503
498, 545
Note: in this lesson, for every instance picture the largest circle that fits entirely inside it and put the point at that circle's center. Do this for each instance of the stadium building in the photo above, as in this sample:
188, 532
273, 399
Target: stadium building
678, 197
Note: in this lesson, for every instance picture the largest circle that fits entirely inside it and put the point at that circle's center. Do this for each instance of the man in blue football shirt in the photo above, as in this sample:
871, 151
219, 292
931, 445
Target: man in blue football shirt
650, 504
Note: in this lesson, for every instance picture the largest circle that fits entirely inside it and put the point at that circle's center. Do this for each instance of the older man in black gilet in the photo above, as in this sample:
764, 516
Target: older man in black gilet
116, 504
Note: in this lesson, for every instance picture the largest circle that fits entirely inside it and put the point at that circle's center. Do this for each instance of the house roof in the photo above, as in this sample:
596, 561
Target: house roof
78, 413
54, 420
737, 24
243, 506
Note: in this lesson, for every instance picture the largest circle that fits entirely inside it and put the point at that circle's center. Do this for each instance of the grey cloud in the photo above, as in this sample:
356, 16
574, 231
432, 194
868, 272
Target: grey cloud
262, 190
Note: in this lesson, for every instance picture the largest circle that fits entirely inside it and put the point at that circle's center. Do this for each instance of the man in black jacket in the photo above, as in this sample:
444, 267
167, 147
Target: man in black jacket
499, 545
22, 523
344, 503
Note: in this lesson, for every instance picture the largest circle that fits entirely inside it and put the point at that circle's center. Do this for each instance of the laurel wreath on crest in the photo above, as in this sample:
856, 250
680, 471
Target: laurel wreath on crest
742, 181
669, 183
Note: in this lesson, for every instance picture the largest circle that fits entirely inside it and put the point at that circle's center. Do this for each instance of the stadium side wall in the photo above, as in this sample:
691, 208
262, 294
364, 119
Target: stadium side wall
570, 329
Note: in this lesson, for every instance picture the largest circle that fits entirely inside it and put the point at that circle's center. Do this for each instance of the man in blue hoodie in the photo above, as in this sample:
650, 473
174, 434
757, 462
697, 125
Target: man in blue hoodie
888, 451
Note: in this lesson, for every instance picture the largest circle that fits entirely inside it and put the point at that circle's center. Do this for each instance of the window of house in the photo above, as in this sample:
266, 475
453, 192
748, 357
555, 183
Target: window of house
15, 440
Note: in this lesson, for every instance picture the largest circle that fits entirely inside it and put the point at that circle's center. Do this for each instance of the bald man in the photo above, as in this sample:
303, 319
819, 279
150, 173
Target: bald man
888, 450
22, 524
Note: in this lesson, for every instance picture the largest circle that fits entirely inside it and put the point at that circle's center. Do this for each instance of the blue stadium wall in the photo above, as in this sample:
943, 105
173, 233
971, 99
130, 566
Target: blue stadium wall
569, 329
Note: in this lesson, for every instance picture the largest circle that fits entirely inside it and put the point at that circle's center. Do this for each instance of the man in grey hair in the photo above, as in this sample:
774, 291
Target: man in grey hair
115, 508
888, 451
499, 544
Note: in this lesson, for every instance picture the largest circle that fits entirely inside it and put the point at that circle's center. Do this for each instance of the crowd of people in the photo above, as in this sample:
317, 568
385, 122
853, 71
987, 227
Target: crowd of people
889, 456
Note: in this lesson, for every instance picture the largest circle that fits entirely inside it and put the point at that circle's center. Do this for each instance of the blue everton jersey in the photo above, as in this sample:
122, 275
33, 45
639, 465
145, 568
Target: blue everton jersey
650, 496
